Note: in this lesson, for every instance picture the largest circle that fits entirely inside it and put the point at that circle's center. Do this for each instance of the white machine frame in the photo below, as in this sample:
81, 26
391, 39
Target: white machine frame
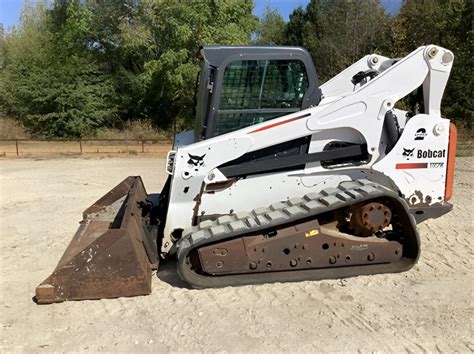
346, 112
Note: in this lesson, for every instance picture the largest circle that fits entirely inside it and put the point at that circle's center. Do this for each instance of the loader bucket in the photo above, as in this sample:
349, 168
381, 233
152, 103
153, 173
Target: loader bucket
112, 253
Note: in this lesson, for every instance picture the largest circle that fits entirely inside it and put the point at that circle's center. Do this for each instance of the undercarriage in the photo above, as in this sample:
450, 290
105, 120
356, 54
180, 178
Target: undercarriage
358, 228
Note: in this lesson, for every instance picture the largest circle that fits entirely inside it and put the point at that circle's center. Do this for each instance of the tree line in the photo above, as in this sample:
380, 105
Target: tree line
73, 66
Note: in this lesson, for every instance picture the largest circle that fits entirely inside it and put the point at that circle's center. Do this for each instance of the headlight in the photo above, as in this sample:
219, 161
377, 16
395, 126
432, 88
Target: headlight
170, 162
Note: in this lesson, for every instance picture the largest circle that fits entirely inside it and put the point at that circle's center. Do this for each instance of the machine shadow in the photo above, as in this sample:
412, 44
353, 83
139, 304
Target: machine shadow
154, 198
167, 272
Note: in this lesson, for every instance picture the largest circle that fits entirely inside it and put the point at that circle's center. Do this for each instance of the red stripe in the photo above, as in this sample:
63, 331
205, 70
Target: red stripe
278, 123
453, 138
407, 166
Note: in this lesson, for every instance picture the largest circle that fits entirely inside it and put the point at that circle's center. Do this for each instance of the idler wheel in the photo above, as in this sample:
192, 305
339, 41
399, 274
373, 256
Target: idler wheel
369, 218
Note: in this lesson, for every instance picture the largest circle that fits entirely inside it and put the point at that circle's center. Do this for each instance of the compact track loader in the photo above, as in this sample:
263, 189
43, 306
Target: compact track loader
281, 180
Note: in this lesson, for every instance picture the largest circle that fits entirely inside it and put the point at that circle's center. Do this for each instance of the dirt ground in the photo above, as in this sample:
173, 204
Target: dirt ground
428, 309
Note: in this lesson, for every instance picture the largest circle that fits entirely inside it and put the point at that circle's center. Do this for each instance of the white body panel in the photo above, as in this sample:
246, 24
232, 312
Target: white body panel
423, 182
347, 113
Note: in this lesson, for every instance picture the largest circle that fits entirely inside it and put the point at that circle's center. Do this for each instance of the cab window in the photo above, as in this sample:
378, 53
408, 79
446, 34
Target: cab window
254, 91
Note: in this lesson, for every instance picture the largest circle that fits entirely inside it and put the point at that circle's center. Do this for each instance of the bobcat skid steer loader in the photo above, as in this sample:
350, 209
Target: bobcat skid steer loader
281, 180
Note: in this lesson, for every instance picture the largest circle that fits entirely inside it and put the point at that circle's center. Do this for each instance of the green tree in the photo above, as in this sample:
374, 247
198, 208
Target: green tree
75, 65
447, 23
338, 33
152, 49
181, 28
72, 66
295, 27
46, 81
271, 28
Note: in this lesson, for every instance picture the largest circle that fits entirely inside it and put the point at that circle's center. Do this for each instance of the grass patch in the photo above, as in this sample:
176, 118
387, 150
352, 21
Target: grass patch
11, 128
133, 130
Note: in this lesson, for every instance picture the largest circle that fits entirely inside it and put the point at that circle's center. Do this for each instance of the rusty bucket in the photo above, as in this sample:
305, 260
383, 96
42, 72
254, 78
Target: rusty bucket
112, 253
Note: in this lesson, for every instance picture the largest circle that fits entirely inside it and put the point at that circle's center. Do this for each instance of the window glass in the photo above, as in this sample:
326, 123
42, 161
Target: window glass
254, 91
241, 85
285, 84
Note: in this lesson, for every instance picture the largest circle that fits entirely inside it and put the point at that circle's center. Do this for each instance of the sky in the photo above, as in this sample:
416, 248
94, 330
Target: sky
286, 7
10, 9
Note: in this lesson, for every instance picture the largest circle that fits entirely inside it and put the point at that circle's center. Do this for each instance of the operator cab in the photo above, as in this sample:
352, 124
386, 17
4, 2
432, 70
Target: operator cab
240, 86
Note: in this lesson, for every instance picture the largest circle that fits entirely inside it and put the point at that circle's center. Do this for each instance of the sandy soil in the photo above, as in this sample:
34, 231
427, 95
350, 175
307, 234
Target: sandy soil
429, 308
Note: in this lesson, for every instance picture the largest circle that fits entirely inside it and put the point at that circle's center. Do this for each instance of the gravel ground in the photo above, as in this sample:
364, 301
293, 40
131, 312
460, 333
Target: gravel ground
428, 309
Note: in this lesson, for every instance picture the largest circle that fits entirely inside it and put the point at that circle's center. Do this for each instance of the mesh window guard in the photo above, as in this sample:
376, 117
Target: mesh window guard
255, 91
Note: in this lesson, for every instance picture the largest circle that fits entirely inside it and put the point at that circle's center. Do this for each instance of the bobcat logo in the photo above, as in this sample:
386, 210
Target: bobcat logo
195, 160
408, 152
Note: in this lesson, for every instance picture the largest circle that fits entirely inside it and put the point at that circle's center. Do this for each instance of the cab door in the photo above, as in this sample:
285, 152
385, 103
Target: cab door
250, 85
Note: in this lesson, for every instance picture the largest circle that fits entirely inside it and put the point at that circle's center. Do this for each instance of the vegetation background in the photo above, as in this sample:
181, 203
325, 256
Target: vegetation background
91, 68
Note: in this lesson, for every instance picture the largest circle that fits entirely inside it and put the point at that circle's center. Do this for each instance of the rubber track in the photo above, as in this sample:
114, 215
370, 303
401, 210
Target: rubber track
290, 212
